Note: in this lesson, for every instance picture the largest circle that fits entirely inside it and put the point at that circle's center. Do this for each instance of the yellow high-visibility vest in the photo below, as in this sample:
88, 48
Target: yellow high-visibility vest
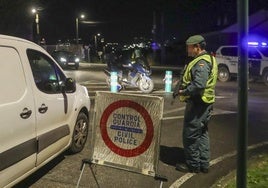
208, 94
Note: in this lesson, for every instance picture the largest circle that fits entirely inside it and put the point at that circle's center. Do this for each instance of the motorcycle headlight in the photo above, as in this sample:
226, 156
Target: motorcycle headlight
149, 72
62, 59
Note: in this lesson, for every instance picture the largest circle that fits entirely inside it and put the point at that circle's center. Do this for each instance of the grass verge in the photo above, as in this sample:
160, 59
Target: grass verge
257, 174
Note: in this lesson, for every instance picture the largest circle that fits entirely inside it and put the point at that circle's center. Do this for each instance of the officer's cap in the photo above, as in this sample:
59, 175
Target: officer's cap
195, 39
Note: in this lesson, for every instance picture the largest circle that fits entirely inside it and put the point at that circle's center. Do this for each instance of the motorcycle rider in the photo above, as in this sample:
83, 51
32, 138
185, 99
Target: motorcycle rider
138, 57
132, 74
111, 60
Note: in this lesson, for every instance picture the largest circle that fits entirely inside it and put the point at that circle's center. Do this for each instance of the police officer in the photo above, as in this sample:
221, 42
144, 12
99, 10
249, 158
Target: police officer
197, 89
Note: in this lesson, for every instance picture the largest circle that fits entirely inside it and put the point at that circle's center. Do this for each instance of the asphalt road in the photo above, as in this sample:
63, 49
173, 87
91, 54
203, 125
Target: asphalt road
64, 171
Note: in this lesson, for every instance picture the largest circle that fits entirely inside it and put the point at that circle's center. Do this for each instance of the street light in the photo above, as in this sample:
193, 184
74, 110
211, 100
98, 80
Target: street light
96, 41
82, 16
35, 11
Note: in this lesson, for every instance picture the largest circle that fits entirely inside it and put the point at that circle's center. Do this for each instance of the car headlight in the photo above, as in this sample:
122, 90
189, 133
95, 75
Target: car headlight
62, 59
76, 59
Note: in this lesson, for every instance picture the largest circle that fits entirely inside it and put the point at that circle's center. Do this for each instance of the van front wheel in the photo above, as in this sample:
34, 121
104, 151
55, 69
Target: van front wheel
80, 133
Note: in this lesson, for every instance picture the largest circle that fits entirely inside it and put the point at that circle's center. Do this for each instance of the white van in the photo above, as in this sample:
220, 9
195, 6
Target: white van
42, 113
227, 59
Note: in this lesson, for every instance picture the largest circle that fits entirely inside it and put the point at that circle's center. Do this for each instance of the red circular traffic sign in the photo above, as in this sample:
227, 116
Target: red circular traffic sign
148, 122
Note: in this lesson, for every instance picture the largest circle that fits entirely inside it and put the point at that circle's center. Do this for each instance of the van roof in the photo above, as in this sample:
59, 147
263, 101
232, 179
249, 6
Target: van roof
16, 39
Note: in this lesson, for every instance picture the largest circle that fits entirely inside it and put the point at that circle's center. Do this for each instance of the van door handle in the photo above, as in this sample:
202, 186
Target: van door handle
26, 113
43, 108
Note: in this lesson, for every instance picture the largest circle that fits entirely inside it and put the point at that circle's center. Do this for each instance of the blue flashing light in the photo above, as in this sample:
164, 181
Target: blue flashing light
155, 46
253, 43
257, 44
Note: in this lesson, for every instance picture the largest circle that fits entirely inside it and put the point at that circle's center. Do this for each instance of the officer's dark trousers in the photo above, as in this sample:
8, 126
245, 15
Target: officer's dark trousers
195, 134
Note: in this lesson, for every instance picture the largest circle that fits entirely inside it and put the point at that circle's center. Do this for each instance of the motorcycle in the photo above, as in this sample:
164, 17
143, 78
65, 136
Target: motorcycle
134, 74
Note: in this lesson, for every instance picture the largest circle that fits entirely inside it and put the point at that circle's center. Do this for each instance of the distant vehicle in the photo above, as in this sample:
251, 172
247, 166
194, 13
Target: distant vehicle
42, 112
66, 59
227, 59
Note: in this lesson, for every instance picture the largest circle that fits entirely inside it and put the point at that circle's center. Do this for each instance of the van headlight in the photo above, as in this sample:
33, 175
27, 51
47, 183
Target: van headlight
85, 90
76, 59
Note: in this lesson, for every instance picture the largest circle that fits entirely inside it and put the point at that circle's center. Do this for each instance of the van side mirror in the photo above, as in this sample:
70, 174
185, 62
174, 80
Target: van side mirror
70, 85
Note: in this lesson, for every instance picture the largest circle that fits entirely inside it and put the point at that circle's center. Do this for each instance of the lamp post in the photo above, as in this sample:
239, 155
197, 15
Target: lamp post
96, 41
82, 16
35, 11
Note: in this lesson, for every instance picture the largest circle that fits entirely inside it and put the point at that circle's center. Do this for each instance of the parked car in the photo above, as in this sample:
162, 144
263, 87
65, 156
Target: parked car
42, 112
227, 59
66, 58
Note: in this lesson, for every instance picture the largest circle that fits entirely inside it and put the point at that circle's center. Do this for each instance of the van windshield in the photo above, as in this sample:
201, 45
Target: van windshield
264, 51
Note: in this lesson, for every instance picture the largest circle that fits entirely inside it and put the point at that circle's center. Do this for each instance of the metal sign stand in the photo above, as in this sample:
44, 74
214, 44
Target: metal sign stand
89, 162
161, 179
84, 162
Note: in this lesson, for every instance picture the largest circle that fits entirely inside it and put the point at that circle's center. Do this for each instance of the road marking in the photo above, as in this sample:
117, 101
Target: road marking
130, 89
174, 110
222, 97
187, 176
97, 87
216, 111
161, 92
172, 117
92, 83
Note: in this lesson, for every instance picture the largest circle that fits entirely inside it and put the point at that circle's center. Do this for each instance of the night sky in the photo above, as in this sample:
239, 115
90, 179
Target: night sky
122, 20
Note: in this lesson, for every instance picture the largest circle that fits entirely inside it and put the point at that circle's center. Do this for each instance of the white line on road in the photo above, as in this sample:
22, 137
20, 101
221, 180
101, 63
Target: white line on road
221, 97
174, 110
92, 83
97, 87
187, 176
173, 117
215, 112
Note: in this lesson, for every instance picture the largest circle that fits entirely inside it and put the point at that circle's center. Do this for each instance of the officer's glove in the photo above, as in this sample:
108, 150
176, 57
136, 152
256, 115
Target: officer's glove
175, 94
176, 90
